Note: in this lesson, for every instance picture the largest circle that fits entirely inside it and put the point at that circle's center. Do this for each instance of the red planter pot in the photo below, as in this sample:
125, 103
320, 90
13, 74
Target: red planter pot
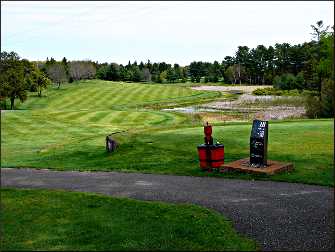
211, 155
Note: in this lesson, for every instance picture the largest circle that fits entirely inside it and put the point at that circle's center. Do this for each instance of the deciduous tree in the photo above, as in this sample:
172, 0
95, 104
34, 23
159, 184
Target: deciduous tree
42, 82
57, 73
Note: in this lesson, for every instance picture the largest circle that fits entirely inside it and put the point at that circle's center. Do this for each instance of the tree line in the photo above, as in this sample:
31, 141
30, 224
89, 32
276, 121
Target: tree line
67, 71
286, 66
303, 66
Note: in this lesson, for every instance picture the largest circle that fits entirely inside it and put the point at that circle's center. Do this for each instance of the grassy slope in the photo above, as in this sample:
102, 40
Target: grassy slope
99, 95
68, 132
57, 220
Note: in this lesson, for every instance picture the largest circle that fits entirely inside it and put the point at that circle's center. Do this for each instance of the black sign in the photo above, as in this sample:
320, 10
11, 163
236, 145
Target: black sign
259, 143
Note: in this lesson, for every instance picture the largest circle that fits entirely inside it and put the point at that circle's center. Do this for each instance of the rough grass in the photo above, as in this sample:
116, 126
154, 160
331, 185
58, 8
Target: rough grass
58, 220
72, 137
296, 101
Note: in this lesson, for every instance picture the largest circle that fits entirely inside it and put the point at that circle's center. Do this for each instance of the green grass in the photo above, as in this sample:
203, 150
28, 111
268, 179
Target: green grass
58, 220
104, 95
67, 131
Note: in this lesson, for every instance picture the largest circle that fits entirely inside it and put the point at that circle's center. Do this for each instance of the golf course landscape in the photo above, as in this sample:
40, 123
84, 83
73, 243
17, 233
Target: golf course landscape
167, 126
66, 129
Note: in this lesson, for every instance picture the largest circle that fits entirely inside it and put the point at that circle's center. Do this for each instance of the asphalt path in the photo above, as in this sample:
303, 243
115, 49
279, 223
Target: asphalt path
280, 216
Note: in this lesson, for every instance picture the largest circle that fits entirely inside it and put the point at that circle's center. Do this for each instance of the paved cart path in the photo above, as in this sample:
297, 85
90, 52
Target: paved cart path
280, 216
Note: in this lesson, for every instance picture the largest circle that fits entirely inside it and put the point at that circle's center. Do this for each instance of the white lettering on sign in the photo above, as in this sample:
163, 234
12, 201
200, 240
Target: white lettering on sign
261, 133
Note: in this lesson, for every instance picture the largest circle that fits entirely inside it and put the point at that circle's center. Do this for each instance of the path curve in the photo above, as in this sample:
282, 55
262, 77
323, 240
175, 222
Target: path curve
280, 216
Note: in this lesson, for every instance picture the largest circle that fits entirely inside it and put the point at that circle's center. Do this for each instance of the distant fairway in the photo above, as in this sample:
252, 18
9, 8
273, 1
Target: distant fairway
66, 130
108, 103
102, 95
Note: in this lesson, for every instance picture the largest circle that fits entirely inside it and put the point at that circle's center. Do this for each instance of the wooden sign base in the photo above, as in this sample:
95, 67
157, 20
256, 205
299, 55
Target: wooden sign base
243, 165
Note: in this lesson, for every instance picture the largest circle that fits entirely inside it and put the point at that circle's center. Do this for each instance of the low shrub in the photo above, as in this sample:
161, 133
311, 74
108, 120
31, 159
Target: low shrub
275, 91
320, 105
313, 106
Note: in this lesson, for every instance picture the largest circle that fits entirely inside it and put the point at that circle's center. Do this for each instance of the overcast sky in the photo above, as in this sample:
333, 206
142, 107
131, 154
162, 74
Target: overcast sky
174, 32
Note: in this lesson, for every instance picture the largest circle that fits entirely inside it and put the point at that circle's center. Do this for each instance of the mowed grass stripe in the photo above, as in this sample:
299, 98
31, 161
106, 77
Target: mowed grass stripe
181, 92
47, 122
21, 118
109, 100
130, 97
54, 119
174, 92
31, 125
53, 130
142, 118
154, 95
97, 100
121, 97
147, 95
162, 92
126, 117
177, 118
113, 116
106, 100
167, 118
168, 92
71, 116
75, 103
63, 115
97, 117
90, 103
87, 101
67, 98
186, 92
77, 99
121, 117
107, 117
85, 117
134, 97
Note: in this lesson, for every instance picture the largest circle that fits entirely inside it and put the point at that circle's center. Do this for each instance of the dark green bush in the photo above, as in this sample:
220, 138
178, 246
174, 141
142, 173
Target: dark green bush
313, 106
288, 81
327, 98
259, 91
